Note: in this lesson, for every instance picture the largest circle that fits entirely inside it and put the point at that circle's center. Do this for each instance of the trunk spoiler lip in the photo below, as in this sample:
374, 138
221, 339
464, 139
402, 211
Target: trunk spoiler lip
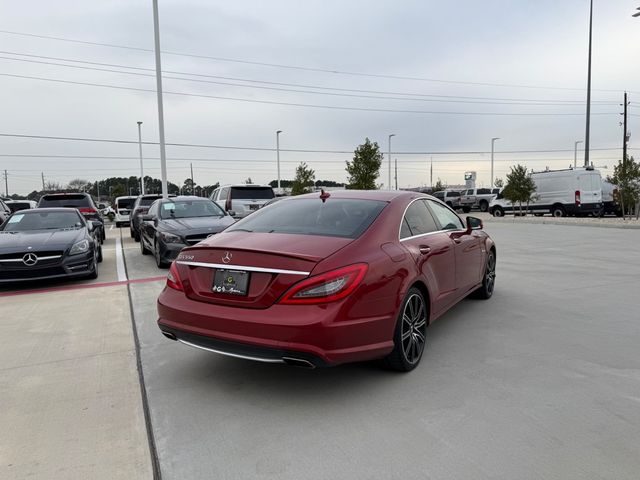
247, 268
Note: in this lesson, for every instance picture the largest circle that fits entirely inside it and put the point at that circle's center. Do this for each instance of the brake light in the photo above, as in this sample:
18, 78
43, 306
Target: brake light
87, 210
173, 278
227, 204
326, 287
577, 197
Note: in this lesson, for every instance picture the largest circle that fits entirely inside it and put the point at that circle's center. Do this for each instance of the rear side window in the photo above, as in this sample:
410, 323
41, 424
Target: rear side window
418, 220
446, 218
68, 201
338, 217
484, 191
125, 203
251, 193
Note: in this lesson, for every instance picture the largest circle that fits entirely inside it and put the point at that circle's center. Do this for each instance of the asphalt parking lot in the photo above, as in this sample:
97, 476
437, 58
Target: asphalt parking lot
541, 381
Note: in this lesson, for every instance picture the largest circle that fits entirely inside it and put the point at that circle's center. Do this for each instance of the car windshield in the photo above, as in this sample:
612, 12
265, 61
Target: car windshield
347, 218
23, 222
190, 208
252, 193
73, 201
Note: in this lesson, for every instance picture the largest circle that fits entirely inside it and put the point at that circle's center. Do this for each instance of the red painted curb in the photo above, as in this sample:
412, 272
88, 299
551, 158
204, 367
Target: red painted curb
81, 287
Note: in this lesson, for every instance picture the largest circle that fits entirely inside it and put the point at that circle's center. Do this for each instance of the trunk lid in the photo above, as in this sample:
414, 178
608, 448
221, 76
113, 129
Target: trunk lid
273, 262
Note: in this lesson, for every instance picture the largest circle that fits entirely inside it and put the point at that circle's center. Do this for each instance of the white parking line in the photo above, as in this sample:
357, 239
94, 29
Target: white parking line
122, 273
111, 227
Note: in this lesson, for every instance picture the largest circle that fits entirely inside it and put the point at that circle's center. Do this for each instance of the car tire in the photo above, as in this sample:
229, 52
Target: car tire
538, 214
136, 236
466, 209
409, 336
131, 232
498, 212
484, 206
144, 250
94, 274
156, 253
558, 211
99, 254
485, 291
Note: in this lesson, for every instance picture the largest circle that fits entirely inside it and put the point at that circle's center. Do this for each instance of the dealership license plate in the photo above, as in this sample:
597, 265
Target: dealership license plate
231, 282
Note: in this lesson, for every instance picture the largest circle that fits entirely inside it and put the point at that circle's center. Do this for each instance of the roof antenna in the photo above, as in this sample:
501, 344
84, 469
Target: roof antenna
324, 195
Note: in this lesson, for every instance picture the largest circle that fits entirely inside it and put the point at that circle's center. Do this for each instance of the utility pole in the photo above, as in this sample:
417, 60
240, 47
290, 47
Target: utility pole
389, 153
625, 137
193, 185
492, 150
140, 148
396, 173
431, 175
163, 153
586, 136
278, 157
6, 184
42, 175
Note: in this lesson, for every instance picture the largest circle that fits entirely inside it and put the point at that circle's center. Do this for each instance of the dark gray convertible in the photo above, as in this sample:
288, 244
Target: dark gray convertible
48, 243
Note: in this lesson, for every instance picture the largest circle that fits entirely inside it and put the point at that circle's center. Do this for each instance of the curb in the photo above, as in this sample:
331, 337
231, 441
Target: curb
623, 226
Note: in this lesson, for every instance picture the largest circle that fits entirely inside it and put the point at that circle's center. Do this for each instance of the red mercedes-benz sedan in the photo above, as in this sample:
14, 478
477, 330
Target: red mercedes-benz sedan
324, 279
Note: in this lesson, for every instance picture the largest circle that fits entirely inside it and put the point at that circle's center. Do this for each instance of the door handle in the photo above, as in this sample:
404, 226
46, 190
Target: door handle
457, 240
424, 249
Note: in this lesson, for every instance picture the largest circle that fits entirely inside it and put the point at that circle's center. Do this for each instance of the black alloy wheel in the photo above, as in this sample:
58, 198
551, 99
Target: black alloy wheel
156, 252
485, 291
410, 333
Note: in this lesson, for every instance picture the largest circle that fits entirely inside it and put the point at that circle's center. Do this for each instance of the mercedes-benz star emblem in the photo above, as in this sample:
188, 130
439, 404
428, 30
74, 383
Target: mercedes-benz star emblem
226, 258
30, 259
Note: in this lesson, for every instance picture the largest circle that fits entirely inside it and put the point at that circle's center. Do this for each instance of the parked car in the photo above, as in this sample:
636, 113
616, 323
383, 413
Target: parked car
15, 205
82, 201
140, 207
122, 209
610, 199
175, 223
477, 198
574, 191
46, 243
326, 279
450, 197
242, 199
5, 212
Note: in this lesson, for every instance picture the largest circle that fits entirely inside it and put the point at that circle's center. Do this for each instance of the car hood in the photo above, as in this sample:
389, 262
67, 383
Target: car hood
196, 224
39, 240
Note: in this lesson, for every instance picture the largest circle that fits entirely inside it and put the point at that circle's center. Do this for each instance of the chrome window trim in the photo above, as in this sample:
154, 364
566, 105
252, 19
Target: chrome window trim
246, 268
235, 355
428, 233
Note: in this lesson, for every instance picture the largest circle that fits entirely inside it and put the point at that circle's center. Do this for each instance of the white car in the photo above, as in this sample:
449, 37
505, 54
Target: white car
123, 207
240, 200
574, 191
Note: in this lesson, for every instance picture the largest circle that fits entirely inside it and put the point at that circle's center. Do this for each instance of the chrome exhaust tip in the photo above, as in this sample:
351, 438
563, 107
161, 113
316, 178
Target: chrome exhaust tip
170, 336
298, 362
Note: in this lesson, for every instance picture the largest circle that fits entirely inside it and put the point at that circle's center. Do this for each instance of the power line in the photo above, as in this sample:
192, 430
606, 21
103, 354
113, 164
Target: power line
292, 150
308, 105
418, 97
303, 68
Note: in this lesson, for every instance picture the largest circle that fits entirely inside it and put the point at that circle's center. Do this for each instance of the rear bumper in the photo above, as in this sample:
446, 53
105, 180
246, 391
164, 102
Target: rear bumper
317, 333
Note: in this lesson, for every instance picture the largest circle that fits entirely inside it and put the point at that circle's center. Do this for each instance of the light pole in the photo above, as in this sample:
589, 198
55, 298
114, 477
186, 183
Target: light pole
575, 153
493, 141
163, 154
389, 153
278, 157
140, 148
586, 136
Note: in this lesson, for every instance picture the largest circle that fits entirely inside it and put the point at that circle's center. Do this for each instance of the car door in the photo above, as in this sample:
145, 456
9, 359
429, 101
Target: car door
433, 252
148, 227
467, 246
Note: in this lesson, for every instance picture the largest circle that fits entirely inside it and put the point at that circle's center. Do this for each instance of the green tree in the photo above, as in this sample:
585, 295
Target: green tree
118, 191
498, 183
304, 179
626, 175
520, 186
78, 185
439, 186
365, 167
188, 186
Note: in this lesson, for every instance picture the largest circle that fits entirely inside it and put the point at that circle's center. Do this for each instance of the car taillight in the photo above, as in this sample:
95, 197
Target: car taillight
227, 204
173, 278
326, 287
87, 210
577, 197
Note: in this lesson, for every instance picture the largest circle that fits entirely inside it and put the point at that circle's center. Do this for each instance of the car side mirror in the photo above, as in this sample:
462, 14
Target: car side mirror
231, 212
147, 218
474, 223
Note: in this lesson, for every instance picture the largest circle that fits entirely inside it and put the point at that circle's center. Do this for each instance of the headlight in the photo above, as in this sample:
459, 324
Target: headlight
81, 247
170, 238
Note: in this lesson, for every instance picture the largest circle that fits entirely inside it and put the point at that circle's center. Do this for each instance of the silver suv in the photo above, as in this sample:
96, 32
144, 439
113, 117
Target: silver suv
240, 200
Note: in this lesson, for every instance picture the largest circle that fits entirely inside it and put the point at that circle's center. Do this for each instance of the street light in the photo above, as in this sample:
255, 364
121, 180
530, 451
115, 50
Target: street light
493, 140
278, 156
140, 148
163, 153
575, 153
389, 153
586, 136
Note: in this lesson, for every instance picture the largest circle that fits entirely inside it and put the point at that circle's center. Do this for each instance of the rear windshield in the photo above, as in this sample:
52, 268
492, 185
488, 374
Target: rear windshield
347, 218
125, 202
22, 222
146, 201
69, 201
15, 206
252, 193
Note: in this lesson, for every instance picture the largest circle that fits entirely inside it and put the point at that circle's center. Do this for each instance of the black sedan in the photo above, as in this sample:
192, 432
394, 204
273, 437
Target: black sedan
48, 243
174, 223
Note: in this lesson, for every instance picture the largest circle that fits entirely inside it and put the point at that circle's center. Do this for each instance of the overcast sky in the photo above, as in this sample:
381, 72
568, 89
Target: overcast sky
464, 45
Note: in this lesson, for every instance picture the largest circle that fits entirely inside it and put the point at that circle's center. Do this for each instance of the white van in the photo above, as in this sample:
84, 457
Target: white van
123, 206
575, 191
